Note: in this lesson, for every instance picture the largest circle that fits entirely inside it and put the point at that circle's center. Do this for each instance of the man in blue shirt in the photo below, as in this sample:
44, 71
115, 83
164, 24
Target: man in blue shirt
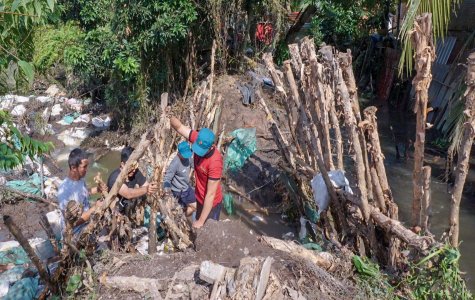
177, 178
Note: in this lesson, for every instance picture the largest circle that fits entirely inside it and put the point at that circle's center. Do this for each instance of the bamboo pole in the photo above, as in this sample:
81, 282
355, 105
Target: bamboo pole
424, 57
464, 152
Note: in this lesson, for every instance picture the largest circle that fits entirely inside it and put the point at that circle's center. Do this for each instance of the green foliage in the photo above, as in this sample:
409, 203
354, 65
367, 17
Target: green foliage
370, 279
18, 21
57, 45
365, 267
342, 23
441, 11
437, 276
14, 146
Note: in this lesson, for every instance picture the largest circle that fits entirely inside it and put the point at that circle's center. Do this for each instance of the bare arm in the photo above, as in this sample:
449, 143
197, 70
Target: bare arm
211, 188
180, 128
131, 193
87, 214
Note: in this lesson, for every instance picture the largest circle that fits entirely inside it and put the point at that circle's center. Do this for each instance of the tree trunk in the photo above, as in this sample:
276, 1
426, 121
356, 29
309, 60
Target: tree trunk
464, 152
425, 55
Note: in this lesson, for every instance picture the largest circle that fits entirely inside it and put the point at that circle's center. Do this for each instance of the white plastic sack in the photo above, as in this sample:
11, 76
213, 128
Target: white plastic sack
44, 99
102, 123
320, 192
4, 246
86, 118
54, 219
56, 110
18, 110
74, 104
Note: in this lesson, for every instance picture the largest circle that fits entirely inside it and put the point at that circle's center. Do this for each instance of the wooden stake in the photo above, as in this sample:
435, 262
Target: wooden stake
424, 57
350, 123
345, 62
464, 153
425, 212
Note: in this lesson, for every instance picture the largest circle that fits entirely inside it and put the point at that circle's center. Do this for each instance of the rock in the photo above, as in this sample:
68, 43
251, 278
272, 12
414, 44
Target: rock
52, 90
18, 110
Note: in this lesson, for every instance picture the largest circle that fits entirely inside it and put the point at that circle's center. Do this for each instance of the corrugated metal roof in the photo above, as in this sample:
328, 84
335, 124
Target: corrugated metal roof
443, 48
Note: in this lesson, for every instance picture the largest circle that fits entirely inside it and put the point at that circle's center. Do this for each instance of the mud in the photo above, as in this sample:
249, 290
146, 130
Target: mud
26, 215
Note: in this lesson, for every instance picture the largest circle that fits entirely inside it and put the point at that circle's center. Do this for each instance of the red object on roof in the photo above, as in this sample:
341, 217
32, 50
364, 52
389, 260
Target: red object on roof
264, 32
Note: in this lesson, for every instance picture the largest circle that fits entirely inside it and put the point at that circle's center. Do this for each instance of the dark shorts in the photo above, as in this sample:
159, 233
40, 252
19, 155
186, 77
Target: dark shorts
185, 198
213, 214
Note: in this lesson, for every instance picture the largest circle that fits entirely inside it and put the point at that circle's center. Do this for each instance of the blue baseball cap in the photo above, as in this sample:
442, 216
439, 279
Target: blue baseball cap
204, 142
184, 149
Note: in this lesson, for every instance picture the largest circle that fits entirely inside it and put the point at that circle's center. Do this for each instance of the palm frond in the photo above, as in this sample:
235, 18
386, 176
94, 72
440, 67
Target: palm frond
441, 11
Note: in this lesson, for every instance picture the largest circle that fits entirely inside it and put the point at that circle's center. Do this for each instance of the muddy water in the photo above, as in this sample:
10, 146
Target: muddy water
399, 173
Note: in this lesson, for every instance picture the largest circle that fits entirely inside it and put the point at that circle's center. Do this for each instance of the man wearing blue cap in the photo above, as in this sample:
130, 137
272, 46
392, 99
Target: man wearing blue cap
177, 178
208, 165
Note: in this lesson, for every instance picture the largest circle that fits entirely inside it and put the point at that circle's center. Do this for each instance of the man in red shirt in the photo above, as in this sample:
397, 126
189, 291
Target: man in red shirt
208, 165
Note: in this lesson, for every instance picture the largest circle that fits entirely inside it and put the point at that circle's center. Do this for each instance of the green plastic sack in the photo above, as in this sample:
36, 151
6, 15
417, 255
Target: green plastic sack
311, 213
313, 246
243, 146
228, 203
24, 289
31, 186
146, 222
15, 256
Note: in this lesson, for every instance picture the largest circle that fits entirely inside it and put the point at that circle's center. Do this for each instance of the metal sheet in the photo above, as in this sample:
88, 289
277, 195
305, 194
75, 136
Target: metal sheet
443, 49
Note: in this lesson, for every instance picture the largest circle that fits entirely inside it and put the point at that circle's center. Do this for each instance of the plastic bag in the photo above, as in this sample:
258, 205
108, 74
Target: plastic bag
241, 148
24, 289
320, 192
228, 204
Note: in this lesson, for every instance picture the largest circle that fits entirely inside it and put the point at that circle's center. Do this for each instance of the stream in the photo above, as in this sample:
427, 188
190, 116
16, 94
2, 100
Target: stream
399, 173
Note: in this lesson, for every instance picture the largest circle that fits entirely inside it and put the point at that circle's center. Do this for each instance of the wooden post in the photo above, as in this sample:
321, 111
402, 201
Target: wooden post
425, 55
425, 212
313, 139
464, 152
371, 126
279, 86
16, 232
350, 123
345, 62
320, 103
213, 51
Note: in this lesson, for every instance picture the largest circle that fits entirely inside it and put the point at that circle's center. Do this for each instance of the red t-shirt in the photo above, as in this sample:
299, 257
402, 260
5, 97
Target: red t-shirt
209, 167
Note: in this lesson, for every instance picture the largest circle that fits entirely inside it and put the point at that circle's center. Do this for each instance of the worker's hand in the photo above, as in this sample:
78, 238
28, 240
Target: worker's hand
102, 188
198, 224
152, 188
98, 204
167, 191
